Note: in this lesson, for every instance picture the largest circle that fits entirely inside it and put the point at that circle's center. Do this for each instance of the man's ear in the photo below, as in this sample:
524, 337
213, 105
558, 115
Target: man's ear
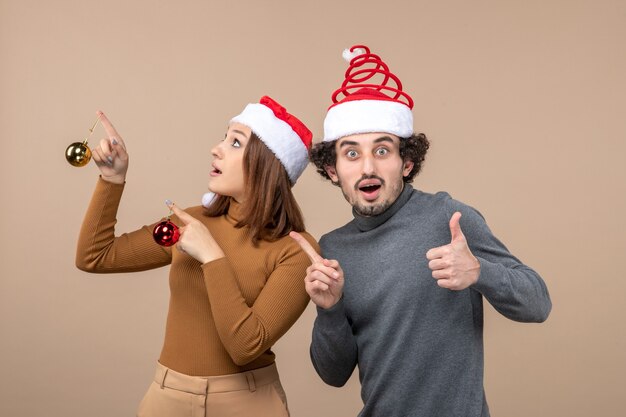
332, 173
407, 167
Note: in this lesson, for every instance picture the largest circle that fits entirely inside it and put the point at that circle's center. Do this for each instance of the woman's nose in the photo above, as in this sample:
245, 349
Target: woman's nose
217, 151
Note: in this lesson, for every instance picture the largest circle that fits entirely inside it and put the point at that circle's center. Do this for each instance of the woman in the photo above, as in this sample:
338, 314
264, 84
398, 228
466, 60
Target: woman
236, 277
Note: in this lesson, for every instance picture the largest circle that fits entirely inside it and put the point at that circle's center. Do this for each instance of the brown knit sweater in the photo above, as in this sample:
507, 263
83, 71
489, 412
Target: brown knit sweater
225, 315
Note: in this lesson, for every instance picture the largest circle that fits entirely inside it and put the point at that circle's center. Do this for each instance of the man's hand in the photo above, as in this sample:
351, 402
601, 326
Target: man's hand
454, 267
324, 278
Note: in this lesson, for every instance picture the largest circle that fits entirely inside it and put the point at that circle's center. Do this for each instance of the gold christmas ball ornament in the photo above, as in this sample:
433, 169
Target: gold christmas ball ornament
78, 154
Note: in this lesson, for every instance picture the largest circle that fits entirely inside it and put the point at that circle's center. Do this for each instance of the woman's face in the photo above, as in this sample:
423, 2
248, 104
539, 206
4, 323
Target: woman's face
226, 176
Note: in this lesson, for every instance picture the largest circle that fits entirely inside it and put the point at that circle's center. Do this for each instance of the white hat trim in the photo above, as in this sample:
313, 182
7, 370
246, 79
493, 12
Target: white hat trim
367, 116
278, 136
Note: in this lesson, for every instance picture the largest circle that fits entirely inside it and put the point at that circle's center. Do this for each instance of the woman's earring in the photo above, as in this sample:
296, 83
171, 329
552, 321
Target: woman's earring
166, 233
78, 154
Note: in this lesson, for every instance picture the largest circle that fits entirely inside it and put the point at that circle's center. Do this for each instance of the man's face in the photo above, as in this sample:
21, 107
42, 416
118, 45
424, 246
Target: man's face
369, 171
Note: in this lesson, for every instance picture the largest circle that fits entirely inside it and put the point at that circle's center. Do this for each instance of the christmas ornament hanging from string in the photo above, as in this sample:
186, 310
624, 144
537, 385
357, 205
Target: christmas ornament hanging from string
78, 154
166, 233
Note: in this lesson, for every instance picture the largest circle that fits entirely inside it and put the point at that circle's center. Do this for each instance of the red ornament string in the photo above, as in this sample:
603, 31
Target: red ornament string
363, 68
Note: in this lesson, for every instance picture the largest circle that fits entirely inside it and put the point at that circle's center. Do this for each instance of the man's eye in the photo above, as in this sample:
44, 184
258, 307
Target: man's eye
352, 154
382, 151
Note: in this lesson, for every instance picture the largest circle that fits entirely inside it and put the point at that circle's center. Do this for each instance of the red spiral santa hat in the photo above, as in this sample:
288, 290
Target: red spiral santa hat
370, 99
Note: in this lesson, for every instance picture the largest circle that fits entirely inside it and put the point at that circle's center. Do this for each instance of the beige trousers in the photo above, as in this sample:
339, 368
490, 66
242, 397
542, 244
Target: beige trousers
256, 393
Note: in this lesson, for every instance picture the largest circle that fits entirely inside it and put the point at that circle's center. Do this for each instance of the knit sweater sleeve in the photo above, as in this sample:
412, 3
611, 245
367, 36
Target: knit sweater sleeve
333, 346
512, 288
100, 251
248, 331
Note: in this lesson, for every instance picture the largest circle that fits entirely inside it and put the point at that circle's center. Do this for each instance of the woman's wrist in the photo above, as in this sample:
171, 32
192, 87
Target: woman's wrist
114, 179
212, 254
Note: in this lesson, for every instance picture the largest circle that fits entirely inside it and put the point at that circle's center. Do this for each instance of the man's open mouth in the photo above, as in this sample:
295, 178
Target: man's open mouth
369, 188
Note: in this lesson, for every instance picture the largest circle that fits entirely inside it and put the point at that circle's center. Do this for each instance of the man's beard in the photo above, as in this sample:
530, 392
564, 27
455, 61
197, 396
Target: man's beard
372, 209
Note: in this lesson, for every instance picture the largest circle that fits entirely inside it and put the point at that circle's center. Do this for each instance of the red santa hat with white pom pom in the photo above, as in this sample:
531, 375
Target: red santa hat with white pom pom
368, 106
283, 133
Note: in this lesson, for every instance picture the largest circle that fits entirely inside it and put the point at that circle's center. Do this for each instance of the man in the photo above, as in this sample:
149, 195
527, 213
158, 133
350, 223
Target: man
409, 312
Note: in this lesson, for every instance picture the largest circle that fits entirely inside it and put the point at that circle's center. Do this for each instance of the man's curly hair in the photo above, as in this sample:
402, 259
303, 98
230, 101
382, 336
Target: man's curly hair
413, 148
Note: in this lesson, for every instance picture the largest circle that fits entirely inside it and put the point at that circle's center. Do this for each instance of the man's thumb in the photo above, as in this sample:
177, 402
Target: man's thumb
455, 227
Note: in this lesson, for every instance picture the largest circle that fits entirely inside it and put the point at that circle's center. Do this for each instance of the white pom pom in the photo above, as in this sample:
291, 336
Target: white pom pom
349, 56
208, 198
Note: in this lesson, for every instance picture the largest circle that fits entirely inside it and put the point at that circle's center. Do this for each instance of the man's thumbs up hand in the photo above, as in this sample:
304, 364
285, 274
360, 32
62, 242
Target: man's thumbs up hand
453, 265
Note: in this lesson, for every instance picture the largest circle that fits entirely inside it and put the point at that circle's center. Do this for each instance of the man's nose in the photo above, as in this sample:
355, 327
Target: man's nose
369, 166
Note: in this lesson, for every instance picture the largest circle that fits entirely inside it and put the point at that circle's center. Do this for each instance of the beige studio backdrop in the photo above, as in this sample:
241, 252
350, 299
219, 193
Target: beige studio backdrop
523, 101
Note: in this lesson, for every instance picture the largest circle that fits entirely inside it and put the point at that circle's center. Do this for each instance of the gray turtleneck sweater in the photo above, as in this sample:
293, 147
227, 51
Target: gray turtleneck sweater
419, 347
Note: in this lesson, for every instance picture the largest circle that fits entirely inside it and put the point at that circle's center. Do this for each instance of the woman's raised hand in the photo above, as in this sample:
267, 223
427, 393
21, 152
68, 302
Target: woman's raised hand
110, 155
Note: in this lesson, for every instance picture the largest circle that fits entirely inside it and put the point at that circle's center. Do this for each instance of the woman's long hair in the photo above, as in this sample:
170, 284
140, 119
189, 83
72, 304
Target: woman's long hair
269, 207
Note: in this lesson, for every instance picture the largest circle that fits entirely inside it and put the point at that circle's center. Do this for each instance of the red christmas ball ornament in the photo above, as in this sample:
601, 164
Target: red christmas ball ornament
166, 233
